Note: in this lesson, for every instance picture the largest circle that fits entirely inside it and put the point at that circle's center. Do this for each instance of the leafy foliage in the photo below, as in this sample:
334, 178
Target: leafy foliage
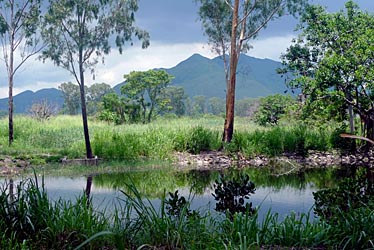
272, 108
332, 64
119, 109
231, 195
174, 100
145, 90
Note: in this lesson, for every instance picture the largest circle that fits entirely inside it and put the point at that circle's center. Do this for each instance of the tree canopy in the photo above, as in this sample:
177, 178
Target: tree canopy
333, 61
146, 88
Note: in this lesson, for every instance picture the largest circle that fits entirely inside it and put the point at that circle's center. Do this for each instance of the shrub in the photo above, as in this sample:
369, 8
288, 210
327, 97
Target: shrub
201, 139
272, 108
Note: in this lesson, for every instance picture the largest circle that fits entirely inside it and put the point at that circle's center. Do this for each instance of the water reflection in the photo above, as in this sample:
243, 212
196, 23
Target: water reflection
280, 193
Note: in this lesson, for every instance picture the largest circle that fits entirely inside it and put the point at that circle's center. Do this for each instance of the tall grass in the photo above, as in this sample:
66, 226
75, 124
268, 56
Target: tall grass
278, 140
29, 220
63, 136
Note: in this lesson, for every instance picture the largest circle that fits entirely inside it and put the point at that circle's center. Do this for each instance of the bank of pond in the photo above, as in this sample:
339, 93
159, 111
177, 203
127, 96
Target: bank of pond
329, 208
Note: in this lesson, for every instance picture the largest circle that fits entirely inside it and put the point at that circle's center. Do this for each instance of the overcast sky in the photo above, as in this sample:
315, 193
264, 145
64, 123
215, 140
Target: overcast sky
176, 34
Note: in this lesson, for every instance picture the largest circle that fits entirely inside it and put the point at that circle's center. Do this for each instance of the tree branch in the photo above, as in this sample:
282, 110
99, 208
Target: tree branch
263, 24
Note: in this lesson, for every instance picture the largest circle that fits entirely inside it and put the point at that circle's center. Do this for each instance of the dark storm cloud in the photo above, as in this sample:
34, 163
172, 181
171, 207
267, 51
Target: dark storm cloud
176, 21
170, 21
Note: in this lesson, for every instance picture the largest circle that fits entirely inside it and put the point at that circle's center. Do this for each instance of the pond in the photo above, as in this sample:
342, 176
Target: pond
282, 193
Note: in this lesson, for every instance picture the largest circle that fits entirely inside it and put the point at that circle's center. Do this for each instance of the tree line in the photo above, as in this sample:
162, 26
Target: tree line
133, 104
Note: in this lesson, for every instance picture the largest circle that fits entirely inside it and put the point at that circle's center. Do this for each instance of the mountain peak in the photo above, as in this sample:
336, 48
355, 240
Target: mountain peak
195, 58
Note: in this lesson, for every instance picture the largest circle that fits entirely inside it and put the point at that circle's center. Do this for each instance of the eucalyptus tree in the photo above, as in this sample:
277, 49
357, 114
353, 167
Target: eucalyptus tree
95, 94
71, 95
230, 25
175, 100
340, 49
19, 23
79, 34
146, 88
216, 105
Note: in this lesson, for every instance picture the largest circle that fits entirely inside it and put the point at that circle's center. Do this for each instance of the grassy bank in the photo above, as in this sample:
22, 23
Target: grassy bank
29, 221
63, 136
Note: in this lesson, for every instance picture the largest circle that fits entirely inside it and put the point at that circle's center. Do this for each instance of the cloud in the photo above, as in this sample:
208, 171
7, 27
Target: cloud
156, 56
37, 75
271, 47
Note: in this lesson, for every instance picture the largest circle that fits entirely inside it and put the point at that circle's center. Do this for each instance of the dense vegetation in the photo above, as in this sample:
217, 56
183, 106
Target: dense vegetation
61, 136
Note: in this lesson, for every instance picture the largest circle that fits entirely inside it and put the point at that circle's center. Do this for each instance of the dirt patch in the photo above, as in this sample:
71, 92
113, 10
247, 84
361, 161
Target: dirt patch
11, 166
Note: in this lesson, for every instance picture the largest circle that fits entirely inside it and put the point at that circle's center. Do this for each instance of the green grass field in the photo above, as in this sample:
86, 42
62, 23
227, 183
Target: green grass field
63, 136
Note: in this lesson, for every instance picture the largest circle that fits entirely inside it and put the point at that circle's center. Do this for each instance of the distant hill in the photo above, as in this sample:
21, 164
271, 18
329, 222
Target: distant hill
197, 74
24, 100
203, 76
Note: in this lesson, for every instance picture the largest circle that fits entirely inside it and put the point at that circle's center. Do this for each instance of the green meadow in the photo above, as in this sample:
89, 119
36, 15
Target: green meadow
62, 136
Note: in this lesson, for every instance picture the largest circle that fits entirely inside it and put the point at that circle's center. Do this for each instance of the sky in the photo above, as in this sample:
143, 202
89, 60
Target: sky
176, 34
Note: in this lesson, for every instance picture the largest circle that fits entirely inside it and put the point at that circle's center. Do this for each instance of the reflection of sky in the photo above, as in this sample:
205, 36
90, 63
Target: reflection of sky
283, 201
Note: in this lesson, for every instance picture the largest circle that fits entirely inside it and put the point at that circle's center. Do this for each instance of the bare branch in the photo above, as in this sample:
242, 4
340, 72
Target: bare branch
229, 4
247, 13
263, 24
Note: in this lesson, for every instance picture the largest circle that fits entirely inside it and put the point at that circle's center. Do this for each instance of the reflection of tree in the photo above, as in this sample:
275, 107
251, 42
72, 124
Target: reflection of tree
200, 180
150, 184
88, 188
154, 183
351, 193
267, 177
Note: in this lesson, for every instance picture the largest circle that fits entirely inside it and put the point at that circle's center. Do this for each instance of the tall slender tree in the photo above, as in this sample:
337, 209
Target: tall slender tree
19, 22
230, 25
81, 32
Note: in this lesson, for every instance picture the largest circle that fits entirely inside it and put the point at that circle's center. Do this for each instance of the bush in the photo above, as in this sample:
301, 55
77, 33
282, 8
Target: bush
272, 108
201, 139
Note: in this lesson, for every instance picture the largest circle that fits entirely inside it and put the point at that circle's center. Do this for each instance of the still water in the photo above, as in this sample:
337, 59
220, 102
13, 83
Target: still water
276, 191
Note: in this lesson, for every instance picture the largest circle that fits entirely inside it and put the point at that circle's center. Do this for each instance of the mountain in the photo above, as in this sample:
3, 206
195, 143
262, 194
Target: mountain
197, 74
24, 100
202, 76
